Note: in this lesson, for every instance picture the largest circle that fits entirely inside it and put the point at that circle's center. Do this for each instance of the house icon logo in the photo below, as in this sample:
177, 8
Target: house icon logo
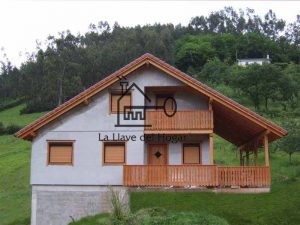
130, 115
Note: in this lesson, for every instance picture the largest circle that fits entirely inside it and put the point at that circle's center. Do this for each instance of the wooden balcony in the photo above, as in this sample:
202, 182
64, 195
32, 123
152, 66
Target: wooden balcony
195, 175
244, 176
197, 121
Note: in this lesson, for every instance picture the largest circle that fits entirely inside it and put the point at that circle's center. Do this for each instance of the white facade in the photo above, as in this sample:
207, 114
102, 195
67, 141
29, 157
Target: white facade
83, 125
259, 61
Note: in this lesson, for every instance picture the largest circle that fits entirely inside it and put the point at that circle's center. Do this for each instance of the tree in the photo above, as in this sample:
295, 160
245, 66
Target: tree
259, 82
214, 72
291, 143
193, 51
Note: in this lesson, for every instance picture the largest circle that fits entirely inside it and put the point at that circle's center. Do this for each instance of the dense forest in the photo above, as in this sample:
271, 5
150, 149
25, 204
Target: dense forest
207, 49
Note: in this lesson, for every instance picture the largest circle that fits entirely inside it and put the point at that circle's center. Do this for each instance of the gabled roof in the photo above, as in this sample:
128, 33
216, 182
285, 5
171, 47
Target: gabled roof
233, 121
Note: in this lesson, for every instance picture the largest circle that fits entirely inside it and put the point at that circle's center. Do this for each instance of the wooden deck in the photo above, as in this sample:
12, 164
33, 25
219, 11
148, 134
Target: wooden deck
196, 175
182, 120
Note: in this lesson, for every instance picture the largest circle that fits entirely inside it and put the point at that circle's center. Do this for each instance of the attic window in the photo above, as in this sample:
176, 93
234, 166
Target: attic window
164, 100
123, 100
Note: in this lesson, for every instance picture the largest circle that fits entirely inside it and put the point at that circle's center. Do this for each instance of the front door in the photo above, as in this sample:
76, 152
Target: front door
157, 154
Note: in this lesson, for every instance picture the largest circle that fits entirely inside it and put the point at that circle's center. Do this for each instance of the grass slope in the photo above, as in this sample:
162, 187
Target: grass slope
14, 170
12, 116
281, 206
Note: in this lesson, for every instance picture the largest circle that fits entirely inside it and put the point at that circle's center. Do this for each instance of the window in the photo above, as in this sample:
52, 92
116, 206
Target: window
60, 153
125, 100
162, 99
191, 153
114, 153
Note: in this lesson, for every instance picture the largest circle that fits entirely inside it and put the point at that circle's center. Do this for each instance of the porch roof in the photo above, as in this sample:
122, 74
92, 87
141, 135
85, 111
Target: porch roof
232, 121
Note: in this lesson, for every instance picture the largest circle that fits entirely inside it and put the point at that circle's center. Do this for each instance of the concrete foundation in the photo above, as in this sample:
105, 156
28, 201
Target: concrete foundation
60, 205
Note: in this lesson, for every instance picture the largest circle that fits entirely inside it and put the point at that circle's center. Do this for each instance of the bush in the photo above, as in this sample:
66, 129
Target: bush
10, 129
121, 215
9, 104
154, 216
157, 216
2, 129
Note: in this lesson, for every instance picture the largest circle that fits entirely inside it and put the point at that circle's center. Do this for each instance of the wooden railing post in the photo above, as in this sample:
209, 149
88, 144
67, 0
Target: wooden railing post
211, 148
241, 157
266, 145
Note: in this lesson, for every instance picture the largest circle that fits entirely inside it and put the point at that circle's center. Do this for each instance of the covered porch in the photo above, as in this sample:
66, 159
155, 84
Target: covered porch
196, 176
166, 171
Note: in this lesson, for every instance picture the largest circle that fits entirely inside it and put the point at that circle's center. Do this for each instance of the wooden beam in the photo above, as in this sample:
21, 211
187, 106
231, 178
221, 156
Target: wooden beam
241, 157
211, 148
253, 139
178, 131
210, 101
256, 157
87, 101
247, 158
266, 145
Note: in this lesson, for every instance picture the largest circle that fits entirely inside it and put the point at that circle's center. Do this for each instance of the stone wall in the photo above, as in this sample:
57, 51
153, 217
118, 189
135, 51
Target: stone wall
59, 205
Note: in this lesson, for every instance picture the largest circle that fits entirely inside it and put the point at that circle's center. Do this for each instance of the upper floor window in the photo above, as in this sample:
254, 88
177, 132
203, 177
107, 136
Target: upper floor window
119, 100
164, 101
60, 153
191, 153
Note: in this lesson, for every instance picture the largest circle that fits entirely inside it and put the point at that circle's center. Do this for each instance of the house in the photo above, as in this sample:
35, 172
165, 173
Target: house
78, 151
260, 61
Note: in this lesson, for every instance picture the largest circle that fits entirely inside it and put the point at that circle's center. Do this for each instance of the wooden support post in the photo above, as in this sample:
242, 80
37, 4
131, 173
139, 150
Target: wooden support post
241, 157
210, 104
266, 145
247, 158
256, 157
211, 148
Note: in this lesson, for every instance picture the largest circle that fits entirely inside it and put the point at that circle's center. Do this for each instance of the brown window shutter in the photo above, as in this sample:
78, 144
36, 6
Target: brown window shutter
114, 153
60, 153
124, 101
191, 154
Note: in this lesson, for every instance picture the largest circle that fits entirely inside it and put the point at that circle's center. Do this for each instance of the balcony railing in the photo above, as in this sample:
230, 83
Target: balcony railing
195, 175
250, 176
181, 120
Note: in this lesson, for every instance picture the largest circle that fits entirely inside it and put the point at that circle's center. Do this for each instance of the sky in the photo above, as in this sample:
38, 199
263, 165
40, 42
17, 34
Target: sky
22, 23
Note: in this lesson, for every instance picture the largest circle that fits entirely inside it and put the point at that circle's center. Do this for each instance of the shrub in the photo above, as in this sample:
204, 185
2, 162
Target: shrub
154, 216
9, 104
157, 216
12, 128
2, 129
120, 211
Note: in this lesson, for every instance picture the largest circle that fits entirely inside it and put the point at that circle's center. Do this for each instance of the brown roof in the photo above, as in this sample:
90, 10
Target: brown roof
233, 121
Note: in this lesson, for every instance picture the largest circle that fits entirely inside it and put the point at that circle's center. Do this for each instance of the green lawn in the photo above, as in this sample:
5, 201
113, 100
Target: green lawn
12, 116
281, 206
14, 170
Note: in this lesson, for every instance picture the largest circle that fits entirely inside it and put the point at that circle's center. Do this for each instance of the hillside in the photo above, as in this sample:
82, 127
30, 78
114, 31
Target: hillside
282, 204
14, 170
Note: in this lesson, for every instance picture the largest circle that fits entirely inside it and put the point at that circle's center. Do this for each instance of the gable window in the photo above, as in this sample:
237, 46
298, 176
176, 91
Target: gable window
164, 100
60, 153
191, 153
125, 100
114, 153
